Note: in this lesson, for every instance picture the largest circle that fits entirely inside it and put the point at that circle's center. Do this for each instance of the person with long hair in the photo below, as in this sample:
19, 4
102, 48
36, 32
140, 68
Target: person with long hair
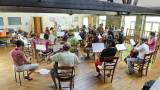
152, 42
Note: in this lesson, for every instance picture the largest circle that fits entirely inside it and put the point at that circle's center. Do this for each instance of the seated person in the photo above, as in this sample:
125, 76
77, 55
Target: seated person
74, 43
83, 36
142, 49
132, 54
95, 39
65, 58
20, 61
104, 39
88, 45
152, 42
110, 51
65, 37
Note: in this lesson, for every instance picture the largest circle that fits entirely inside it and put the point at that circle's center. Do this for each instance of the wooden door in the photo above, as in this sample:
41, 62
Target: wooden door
37, 25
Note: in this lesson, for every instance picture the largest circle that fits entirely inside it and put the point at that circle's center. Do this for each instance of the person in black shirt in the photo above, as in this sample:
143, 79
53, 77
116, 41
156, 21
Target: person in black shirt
110, 51
121, 36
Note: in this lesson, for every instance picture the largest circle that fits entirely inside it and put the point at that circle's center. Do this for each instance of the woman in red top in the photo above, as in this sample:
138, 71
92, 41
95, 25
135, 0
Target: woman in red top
152, 42
46, 43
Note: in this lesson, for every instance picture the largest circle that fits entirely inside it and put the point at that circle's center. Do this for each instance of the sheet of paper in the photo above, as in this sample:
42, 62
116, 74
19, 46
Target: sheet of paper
97, 47
76, 33
99, 36
43, 71
40, 47
78, 37
100, 67
60, 34
57, 47
41, 36
120, 47
132, 42
25, 42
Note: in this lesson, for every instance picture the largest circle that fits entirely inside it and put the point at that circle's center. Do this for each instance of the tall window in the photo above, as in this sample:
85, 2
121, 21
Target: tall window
85, 21
129, 23
14, 20
102, 20
1, 21
152, 24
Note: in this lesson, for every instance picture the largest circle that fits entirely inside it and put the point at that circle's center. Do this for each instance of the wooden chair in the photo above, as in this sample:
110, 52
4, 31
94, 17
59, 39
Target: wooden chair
65, 74
28, 50
41, 55
155, 53
19, 74
140, 67
109, 66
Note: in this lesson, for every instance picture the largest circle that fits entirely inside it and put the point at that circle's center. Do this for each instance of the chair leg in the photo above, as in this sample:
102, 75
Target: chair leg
147, 70
15, 75
104, 76
59, 85
23, 74
27, 73
141, 71
19, 74
71, 84
112, 74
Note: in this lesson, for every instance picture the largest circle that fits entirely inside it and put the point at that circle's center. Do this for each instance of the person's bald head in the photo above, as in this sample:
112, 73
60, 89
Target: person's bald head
66, 47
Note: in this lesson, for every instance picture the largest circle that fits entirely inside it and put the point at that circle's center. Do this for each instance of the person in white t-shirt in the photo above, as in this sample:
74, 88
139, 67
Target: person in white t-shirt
142, 50
65, 58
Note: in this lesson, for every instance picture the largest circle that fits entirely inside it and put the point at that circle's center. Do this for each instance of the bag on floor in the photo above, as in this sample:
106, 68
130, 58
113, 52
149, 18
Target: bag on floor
148, 84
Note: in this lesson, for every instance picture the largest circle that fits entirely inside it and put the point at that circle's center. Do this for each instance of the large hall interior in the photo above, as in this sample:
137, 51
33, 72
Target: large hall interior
79, 45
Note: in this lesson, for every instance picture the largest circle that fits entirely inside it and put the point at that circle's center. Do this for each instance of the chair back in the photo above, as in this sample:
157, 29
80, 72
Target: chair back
111, 62
148, 57
64, 73
157, 48
110, 66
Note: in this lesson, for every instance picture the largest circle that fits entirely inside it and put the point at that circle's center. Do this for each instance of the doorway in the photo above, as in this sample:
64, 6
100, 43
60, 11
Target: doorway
37, 25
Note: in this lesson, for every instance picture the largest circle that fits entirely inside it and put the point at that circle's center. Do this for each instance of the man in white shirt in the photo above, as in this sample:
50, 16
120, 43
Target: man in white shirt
65, 58
142, 49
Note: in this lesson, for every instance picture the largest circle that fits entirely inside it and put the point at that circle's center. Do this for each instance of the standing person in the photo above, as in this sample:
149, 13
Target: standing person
110, 51
47, 30
100, 29
20, 61
121, 36
46, 42
152, 42
142, 49
52, 36
110, 36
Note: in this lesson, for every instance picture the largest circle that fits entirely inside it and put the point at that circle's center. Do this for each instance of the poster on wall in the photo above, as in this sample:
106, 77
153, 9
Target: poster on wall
62, 22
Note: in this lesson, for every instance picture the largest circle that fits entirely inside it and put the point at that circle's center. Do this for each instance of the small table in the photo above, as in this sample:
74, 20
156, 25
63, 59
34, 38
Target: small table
156, 85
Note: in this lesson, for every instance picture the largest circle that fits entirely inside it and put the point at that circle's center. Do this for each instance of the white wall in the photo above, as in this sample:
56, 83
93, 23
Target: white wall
66, 21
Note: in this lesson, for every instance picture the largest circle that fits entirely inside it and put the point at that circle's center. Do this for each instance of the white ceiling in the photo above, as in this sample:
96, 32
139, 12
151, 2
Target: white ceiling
143, 3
